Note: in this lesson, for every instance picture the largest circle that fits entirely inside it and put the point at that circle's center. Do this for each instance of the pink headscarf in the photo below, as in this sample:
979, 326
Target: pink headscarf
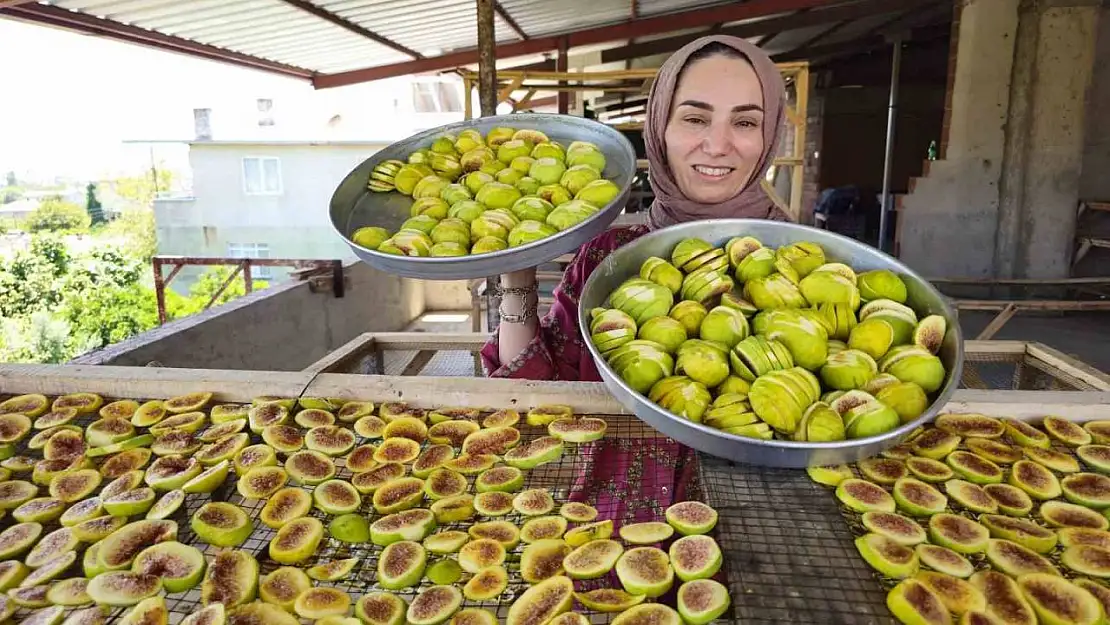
670, 205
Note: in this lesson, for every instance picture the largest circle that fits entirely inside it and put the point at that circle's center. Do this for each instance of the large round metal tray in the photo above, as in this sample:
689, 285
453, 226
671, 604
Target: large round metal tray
353, 206
625, 263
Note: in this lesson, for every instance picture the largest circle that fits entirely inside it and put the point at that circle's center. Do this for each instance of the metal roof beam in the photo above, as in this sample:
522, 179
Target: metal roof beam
82, 22
625, 30
328, 16
508, 19
827, 52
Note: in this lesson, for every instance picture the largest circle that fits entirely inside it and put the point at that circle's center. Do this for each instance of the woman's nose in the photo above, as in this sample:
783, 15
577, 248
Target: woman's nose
716, 142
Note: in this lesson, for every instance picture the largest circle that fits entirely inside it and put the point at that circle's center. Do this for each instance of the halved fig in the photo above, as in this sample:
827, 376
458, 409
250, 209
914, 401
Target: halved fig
1087, 489
542, 559
321, 602
493, 503
648, 614
30, 597
128, 481
970, 496
98, 528
283, 585
336, 497
54, 544
82, 511
254, 456
995, 451
309, 467
332, 440
231, 579
369, 481
397, 450
312, 417
401, 565
1056, 600
944, 560
180, 566
446, 542
502, 532
957, 595
431, 459
104, 432
446, 571
119, 549
296, 541
1099, 591
1097, 457
1022, 531
883, 470
399, 494
1037, 481
369, 426
578, 512
958, 533
1065, 431
534, 453
863, 496
209, 479
506, 479
285, 505
911, 601
533, 502
1074, 536
434, 605
1026, 435
500, 418
166, 505
171, 472
411, 525
481, 553
486, 584
190, 402
610, 599
64, 445
901, 451
123, 588
124, 461
918, 498
352, 411
1087, 560
350, 528
1052, 459
149, 413
361, 459
381, 608
332, 570
406, 427
478, 616
55, 418
147, 611
283, 438
543, 528
40, 509
694, 557
391, 410
68, 592
39, 440
645, 571
542, 602
974, 469
451, 433
119, 409
453, 509
470, 464
1098, 429
1063, 514
261, 416
702, 601
935, 444
443, 483
900, 529
887, 556
596, 558
929, 470
970, 425
578, 430
221, 524
1014, 560
75, 485
90, 563
261, 482
46, 470
31, 405
259, 613
84, 403
1011, 500
221, 430
48, 571
225, 448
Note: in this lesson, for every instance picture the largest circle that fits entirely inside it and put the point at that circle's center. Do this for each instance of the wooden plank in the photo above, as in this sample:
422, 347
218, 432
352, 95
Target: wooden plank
1077, 406
1032, 304
340, 359
418, 362
436, 341
996, 324
150, 382
1022, 281
1070, 366
987, 348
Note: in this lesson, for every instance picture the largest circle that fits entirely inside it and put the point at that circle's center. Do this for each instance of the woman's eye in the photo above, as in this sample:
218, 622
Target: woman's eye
695, 120
746, 123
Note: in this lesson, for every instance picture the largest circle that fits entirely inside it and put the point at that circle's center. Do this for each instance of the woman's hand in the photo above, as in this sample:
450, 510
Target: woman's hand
519, 314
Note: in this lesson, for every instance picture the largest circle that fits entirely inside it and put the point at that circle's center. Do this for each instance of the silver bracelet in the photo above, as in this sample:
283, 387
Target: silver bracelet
525, 293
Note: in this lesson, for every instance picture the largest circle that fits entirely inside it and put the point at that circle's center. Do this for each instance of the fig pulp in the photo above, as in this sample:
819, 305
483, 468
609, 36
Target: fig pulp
702, 601
543, 559
486, 584
381, 608
221, 524
695, 557
1014, 560
122, 588
911, 601
401, 565
231, 579
944, 560
645, 571
296, 541
434, 605
542, 602
900, 529
543, 528
481, 553
887, 556
283, 585
691, 517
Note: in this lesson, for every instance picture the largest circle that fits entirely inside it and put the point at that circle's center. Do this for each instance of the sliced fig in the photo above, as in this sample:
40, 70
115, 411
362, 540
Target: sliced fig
694, 557
929, 470
64, 445
610, 599
175, 442
40, 509
446, 542
221, 524
1052, 459
481, 616
68, 592
75, 485
508, 479
54, 544
166, 505
219, 431
397, 450
935, 444
369, 426
580, 430
911, 601
361, 459
501, 531
98, 528
171, 472
30, 597
369, 481
406, 427
1097, 457
1026, 435
261, 482
1063, 514
648, 614
944, 560
190, 402
493, 503
486, 584
970, 496
395, 409
399, 494
350, 528
578, 512
48, 571
254, 456
124, 461
883, 470
119, 549
259, 613
454, 413
453, 509
434, 605
702, 601
831, 475
283, 585
533, 502
31, 405
1014, 560
958, 595
1087, 560
887, 556
190, 422
1021, 531
995, 451
545, 415
1056, 600
84, 403
542, 602
645, 571
691, 517
1011, 500
900, 529
1074, 536
543, 559
534, 453
1067, 432
82, 511
322, 602
180, 566
401, 565
973, 468
410, 525
261, 416
296, 541
863, 496
958, 533
231, 579
149, 414
207, 480
451, 433
381, 608
918, 498
901, 451
432, 459
122, 588
55, 418
470, 464
285, 439
970, 425
332, 440
312, 417
1099, 591
352, 411
1098, 429
336, 497
596, 558
543, 528
1087, 489
443, 483
309, 467
1037, 481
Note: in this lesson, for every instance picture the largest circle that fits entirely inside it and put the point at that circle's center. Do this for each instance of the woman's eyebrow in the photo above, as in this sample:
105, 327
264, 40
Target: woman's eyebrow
739, 108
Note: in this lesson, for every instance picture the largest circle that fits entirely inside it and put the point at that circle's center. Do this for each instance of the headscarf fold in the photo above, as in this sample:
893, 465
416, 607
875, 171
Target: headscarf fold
671, 206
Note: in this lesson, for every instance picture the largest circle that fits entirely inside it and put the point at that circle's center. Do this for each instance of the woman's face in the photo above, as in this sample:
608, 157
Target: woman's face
714, 136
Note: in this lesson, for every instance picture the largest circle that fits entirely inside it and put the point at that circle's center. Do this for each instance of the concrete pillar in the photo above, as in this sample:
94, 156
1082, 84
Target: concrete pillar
1002, 201
1094, 182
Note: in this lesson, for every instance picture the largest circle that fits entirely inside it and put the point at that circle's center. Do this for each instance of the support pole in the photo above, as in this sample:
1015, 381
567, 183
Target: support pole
891, 117
487, 96
561, 66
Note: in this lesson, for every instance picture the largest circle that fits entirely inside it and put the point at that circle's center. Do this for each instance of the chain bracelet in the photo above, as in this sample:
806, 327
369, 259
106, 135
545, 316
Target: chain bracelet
523, 291
527, 312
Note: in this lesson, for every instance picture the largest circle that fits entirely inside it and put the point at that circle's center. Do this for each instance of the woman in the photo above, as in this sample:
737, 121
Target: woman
714, 117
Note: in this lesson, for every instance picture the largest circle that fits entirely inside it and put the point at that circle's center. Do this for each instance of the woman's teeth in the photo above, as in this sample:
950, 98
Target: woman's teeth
712, 171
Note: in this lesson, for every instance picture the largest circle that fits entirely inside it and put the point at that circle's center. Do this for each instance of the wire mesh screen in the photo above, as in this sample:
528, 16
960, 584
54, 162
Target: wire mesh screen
1016, 371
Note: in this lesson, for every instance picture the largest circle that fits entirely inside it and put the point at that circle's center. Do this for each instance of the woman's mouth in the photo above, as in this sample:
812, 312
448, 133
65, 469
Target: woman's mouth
713, 173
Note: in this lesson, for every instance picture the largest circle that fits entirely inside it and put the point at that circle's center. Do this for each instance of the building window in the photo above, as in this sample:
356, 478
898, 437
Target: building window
261, 175
439, 96
252, 250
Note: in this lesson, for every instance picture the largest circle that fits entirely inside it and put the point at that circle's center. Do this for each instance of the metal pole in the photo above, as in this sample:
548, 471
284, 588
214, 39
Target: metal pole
891, 117
487, 96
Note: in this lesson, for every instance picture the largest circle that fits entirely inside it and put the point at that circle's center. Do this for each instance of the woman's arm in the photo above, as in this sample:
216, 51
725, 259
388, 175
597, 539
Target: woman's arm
519, 303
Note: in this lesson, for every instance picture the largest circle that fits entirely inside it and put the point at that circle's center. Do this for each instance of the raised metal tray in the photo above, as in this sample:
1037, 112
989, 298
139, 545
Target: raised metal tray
353, 206
922, 297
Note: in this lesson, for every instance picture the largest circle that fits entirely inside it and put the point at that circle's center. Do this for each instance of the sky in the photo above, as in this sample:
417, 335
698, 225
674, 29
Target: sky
68, 100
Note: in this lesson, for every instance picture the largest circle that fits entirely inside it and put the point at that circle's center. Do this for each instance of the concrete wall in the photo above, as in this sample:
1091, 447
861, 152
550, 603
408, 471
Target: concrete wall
1094, 181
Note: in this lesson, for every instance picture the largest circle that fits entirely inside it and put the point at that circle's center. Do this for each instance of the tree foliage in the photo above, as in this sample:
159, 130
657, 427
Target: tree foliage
141, 190
92, 205
58, 215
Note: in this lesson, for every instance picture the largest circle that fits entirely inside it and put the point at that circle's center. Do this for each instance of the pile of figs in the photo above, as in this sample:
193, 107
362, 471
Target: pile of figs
976, 519
278, 496
475, 194
772, 343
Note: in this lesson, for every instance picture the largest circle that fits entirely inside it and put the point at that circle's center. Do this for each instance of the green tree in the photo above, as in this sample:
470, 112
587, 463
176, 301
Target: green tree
141, 190
136, 227
92, 205
202, 291
10, 179
55, 214
10, 194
